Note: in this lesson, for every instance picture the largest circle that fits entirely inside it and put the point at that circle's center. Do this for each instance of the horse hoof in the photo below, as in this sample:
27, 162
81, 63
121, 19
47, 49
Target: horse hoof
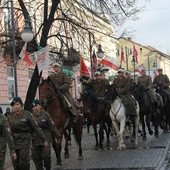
58, 165
96, 148
80, 158
156, 135
144, 138
66, 156
69, 143
151, 132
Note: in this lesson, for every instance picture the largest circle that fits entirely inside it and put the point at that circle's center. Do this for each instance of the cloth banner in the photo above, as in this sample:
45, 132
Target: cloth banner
139, 68
42, 58
110, 62
83, 68
135, 54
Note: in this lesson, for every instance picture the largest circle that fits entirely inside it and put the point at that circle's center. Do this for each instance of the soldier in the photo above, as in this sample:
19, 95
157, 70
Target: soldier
22, 124
146, 83
62, 82
5, 136
162, 80
122, 86
131, 81
42, 155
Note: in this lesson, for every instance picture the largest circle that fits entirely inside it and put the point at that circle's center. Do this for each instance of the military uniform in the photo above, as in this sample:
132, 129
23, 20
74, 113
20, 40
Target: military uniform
62, 82
5, 136
122, 86
22, 125
162, 80
146, 83
40, 154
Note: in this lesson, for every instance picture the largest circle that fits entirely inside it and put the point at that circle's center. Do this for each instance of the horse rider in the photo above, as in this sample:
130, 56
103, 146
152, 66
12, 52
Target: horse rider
62, 82
162, 80
122, 85
131, 81
145, 82
42, 155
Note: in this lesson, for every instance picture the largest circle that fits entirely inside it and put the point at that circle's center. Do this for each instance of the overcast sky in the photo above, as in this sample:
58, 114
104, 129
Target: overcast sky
153, 26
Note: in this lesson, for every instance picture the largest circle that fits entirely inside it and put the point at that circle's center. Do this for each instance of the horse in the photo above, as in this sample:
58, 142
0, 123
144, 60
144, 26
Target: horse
165, 117
119, 120
54, 105
148, 111
96, 115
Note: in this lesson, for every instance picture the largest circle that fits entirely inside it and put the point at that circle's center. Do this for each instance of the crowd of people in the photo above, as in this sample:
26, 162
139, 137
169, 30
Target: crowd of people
26, 132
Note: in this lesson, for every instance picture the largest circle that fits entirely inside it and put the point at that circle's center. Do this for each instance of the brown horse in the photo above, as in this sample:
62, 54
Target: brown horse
53, 104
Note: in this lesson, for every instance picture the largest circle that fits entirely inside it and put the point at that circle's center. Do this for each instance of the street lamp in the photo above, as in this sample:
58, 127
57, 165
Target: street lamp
27, 34
100, 53
133, 62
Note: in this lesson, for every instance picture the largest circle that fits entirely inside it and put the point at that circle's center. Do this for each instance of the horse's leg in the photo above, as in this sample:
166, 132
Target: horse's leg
57, 148
148, 119
143, 126
108, 131
155, 122
67, 137
101, 135
135, 123
96, 136
122, 128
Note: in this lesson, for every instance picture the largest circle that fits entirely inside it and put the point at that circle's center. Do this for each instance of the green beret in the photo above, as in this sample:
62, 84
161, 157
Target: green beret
15, 100
35, 102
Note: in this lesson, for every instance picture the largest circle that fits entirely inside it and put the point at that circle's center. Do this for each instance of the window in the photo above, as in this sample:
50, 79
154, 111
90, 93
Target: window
11, 82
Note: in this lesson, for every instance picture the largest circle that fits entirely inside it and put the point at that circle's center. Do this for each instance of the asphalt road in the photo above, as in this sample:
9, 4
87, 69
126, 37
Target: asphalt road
152, 154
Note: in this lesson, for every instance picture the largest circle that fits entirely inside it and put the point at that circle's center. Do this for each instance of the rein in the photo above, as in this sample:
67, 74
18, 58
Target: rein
117, 110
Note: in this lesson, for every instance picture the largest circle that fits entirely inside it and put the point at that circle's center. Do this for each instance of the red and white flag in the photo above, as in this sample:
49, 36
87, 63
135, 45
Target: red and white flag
42, 58
94, 61
83, 68
122, 56
139, 68
24, 54
110, 62
135, 54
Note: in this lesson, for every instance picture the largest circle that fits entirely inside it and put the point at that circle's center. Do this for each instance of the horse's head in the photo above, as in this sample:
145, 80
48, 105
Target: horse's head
47, 91
110, 93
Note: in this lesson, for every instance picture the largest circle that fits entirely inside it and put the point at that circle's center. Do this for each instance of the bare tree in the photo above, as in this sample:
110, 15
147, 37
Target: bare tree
50, 20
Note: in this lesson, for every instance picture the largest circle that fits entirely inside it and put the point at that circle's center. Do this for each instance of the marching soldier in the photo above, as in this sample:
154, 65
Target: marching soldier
22, 124
5, 136
42, 155
162, 80
146, 83
62, 82
122, 86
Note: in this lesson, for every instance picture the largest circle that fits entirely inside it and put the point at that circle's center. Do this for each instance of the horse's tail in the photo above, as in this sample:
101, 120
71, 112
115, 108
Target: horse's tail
77, 130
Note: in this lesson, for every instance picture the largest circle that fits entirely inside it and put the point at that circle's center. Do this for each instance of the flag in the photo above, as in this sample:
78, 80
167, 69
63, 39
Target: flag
110, 62
83, 68
94, 61
139, 68
42, 58
24, 54
135, 54
122, 56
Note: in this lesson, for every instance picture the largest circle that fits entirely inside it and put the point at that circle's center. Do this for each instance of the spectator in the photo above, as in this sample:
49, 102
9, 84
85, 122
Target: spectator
8, 112
1, 111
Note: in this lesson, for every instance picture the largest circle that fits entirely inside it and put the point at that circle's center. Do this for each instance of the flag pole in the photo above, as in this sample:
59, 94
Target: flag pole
90, 52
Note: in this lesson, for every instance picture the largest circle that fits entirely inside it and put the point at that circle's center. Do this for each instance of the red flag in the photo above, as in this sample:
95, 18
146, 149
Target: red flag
83, 68
111, 62
94, 61
122, 56
24, 54
135, 54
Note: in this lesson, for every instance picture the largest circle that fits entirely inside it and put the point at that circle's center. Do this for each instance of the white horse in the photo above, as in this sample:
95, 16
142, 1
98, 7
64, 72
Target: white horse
118, 116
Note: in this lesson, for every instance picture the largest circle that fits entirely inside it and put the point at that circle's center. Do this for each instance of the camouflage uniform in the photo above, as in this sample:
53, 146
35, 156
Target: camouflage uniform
42, 155
5, 136
22, 125
146, 82
162, 80
62, 82
122, 85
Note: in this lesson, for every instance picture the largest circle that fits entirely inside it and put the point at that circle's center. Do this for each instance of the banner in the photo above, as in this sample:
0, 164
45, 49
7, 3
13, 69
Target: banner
139, 68
83, 68
42, 58
135, 54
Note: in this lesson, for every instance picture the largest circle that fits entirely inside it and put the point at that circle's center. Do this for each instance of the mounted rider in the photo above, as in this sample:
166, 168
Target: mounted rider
162, 80
62, 82
122, 86
131, 81
145, 82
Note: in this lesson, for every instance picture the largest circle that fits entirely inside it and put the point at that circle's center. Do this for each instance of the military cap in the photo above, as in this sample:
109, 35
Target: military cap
15, 100
35, 102
127, 72
160, 69
120, 70
59, 64
97, 73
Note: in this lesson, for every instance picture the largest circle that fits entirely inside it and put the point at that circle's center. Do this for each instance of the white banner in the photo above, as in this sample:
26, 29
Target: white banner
42, 58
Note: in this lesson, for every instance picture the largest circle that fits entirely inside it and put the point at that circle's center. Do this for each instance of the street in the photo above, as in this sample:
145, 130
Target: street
151, 154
